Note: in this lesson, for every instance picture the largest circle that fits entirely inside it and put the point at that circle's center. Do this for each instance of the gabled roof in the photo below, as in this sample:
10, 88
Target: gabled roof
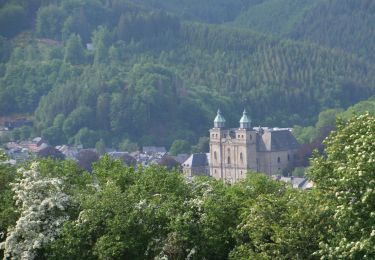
282, 140
196, 160
278, 140
181, 157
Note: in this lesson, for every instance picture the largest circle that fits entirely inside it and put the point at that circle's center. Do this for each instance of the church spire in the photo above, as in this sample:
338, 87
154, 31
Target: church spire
245, 122
219, 121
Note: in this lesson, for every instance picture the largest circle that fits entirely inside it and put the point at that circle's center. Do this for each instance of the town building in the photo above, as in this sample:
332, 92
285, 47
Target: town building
236, 151
196, 165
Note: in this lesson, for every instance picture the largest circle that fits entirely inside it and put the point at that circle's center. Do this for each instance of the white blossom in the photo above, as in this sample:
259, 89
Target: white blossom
42, 205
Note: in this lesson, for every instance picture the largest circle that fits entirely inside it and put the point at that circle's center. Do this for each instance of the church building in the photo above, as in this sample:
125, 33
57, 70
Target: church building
235, 151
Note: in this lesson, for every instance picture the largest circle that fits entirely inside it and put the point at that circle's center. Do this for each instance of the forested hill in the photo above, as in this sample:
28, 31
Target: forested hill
152, 77
344, 24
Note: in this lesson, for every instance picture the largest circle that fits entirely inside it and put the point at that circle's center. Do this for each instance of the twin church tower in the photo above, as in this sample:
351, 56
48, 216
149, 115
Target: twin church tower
235, 151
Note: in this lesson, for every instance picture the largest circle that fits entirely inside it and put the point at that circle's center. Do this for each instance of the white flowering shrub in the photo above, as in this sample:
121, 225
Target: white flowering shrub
346, 174
42, 204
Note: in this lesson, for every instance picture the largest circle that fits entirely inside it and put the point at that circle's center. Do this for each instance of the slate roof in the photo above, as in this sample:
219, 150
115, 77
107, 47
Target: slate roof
296, 182
196, 160
279, 140
283, 139
181, 157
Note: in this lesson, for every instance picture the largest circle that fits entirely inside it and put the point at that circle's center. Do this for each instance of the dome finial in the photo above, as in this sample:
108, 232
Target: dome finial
219, 121
245, 122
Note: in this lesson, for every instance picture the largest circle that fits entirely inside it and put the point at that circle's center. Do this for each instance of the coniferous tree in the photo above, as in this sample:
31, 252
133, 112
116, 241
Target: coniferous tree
74, 50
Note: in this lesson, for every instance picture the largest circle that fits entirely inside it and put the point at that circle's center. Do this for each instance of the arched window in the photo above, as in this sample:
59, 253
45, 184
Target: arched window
251, 137
215, 156
228, 159
278, 159
241, 158
288, 157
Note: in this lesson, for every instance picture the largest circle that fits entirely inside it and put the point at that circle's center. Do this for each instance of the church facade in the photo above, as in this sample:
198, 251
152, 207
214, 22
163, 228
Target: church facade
235, 151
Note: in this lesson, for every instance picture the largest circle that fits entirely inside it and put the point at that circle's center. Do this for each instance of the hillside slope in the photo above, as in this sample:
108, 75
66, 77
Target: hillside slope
345, 24
167, 92
277, 17
152, 78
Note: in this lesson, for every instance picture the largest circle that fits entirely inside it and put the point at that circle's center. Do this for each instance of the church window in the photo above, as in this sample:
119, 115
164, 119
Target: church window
215, 156
278, 159
251, 137
288, 157
228, 160
241, 158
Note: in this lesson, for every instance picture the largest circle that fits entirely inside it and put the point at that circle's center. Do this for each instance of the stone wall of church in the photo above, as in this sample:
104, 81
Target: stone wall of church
273, 162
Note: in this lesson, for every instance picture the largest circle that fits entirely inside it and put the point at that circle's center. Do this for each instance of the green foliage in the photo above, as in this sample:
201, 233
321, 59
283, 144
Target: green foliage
8, 214
202, 146
86, 137
49, 22
127, 146
360, 108
100, 147
299, 172
179, 146
5, 51
134, 211
155, 98
74, 50
211, 11
345, 175
13, 19
327, 120
280, 227
77, 119
350, 24
153, 79
277, 17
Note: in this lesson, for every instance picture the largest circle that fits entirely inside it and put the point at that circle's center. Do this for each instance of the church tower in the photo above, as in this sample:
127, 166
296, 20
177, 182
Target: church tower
233, 152
246, 147
216, 151
236, 151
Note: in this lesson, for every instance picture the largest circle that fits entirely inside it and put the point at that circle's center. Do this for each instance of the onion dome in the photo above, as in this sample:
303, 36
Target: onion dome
245, 122
219, 121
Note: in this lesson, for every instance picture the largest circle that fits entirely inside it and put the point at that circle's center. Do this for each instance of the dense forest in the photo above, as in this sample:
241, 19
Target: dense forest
129, 73
63, 212
151, 72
